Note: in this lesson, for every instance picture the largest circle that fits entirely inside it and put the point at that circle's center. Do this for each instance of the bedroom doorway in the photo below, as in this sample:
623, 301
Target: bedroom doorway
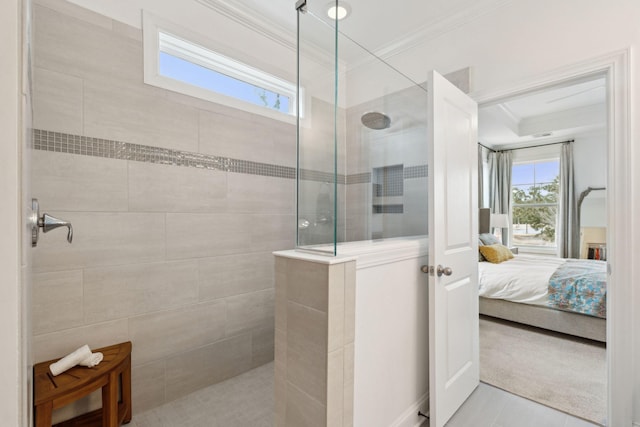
530, 345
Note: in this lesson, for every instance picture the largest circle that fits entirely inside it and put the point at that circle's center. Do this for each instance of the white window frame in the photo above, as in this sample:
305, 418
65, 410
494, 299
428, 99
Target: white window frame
160, 35
536, 155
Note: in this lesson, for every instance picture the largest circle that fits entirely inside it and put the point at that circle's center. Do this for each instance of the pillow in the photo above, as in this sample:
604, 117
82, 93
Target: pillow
496, 253
480, 256
489, 239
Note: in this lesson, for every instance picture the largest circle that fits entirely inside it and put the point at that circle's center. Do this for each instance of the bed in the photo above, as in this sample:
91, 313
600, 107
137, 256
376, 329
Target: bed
562, 295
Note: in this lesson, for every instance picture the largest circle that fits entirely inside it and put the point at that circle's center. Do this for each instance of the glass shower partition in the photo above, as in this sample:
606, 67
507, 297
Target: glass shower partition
362, 132
317, 174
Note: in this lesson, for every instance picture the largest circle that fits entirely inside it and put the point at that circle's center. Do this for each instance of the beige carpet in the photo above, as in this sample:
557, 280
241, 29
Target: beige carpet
563, 373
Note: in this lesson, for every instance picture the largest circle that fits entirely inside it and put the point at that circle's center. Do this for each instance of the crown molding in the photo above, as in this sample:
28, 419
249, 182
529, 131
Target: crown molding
287, 37
513, 118
247, 17
280, 34
436, 28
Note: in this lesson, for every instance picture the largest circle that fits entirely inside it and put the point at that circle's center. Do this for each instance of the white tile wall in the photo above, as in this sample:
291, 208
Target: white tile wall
100, 239
207, 235
76, 46
262, 345
162, 188
176, 259
230, 275
123, 114
128, 290
57, 297
239, 138
103, 187
60, 108
148, 385
167, 333
51, 345
252, 193
249, 311
196, 369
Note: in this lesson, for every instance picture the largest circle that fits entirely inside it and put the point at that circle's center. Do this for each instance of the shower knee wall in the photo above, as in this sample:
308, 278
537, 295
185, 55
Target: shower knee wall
352, 335
175, 258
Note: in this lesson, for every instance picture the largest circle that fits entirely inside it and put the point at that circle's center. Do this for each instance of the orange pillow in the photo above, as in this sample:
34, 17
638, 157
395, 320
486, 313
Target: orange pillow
496, 253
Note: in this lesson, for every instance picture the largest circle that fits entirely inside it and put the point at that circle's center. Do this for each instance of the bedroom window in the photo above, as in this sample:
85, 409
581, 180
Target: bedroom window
177, 60
534, 188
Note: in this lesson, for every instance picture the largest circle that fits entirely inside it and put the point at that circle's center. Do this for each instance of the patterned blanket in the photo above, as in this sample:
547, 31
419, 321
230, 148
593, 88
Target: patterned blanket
581, 286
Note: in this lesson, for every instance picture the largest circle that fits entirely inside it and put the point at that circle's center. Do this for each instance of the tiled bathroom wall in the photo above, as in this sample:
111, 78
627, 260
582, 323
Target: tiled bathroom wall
176, 204
402, 146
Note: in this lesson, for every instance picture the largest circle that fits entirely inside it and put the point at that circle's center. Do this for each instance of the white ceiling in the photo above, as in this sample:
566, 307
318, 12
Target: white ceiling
379, 26
552, 114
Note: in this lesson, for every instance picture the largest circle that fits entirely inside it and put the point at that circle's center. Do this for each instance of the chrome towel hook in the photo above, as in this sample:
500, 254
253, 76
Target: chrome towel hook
47, 223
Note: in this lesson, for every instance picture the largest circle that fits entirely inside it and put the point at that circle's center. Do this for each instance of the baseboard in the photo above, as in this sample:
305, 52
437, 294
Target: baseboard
410, 417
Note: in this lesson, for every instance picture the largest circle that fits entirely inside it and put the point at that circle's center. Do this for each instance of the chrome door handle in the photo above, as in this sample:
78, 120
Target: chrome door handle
444, 270
440, 270
47, 223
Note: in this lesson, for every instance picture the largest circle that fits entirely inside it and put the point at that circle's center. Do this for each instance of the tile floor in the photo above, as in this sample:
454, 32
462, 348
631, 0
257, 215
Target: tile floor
247, 401
243, 401
489, 406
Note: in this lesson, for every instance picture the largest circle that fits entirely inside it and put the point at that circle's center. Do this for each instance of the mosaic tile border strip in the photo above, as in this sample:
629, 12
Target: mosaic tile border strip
98, 147
388, 209
421, 171
318, 176
359, 178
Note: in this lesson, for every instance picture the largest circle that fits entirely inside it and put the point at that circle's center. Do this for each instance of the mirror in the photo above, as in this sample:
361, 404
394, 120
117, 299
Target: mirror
592, 217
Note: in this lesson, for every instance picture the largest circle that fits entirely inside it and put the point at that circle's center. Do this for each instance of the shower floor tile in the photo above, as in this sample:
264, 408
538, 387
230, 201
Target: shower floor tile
247, 401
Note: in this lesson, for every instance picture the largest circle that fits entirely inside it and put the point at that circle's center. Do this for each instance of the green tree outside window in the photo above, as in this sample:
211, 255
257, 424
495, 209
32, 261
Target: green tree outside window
541, 216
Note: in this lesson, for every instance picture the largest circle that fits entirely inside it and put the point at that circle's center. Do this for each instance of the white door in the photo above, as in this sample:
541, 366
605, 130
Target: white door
453, 223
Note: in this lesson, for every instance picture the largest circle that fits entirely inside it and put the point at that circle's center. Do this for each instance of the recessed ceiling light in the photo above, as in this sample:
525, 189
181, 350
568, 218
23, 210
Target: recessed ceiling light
341, 11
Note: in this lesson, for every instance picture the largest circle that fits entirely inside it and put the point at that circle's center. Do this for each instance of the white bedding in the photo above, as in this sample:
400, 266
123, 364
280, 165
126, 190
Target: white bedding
524, 279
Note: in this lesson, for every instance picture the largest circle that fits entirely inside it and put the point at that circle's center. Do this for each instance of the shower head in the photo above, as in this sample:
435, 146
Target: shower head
375, 120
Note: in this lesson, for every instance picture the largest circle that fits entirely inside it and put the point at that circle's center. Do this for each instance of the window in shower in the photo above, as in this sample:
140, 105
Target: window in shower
174, 62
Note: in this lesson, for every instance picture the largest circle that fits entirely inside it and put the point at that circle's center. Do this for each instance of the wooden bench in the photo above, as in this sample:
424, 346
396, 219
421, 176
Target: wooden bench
55, 392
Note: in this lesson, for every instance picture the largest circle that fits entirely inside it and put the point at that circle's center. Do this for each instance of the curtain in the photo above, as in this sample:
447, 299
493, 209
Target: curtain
500, 187
567, 228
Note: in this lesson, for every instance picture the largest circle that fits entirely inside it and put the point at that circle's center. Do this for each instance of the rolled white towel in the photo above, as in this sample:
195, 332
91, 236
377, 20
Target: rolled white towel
70, 360
92, 360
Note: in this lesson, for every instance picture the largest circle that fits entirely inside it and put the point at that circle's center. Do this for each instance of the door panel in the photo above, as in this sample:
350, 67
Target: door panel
453, 299
458, 310
457, 174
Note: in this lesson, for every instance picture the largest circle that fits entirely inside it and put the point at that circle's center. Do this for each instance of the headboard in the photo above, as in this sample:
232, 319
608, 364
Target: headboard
484, 220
